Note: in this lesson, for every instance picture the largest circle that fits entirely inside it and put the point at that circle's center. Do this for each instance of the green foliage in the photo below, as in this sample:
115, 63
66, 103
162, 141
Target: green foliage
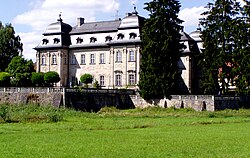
10, 45
37, 78
86, 79
226, 42
51, 77
20, 69
96, 84
4, 79
161, 36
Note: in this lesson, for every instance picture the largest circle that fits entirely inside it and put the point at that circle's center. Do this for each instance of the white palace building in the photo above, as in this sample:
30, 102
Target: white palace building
108, 50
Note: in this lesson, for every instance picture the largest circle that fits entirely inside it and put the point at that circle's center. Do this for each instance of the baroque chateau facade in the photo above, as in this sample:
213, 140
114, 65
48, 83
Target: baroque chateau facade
108, 50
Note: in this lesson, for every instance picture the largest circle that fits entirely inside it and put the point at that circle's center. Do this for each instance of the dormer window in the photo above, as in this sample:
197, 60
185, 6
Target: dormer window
45, 41
132, 35
108, 38
93, 40
56, 40
120, 36
79, 40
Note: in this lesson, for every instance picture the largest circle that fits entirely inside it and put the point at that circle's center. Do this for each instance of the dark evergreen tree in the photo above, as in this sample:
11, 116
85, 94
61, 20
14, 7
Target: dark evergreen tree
242, 54
159, 75
10, 45
220, 35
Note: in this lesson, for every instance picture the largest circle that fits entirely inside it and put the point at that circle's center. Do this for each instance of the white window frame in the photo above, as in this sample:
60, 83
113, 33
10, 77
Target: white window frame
43, 60
102, 80
54, 59
83, 59
131, 55
92, 58
131, 79
102, 58
118, 56
118, 80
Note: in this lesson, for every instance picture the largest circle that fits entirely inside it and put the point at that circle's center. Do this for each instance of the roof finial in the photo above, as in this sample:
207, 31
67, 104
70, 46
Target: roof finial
60, 17
134, 12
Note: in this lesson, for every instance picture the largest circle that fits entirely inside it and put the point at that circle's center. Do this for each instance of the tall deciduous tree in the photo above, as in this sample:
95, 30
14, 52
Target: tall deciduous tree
21, 70
159, 75
10, 45
221, 35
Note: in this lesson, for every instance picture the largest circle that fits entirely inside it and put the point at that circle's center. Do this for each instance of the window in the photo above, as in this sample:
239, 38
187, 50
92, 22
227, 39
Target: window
53, 59
108, 38
83, 59
79, 40
131, 80
45, 41
102, 81
92, 58
43, 60
120, 36
118, 56
93, 40
102, 58
131, 55
132, 35
118, 81
73, 59
56, 40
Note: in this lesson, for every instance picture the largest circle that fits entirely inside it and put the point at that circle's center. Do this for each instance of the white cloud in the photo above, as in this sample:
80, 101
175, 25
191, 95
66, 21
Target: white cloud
45, 12
191, 16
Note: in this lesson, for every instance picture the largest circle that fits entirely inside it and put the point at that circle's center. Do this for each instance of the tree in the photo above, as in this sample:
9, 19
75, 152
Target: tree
10, 45
37, 78
51, 77
161, 36
20, 69
221, 34
4, 79
86, 79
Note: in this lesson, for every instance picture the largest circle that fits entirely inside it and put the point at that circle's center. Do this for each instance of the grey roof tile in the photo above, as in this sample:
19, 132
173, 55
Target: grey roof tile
104, 26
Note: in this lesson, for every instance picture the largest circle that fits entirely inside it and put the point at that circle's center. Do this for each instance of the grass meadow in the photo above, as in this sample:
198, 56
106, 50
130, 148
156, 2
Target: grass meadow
35, 131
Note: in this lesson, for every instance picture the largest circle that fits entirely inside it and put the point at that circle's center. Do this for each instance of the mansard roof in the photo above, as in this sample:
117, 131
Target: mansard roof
58, 27
186, 37
95, 27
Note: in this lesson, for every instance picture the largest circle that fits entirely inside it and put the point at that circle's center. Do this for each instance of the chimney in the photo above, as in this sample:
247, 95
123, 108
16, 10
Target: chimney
80, 21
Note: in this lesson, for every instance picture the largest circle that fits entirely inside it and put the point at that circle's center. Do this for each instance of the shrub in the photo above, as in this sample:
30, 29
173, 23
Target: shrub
86, 79
4, 79
51, 77
37, 78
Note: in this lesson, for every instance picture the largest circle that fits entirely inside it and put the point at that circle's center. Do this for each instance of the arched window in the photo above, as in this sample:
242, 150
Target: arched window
108, 38
45, 41
120, 36
93, 40
132, 35
56, 40
79, 40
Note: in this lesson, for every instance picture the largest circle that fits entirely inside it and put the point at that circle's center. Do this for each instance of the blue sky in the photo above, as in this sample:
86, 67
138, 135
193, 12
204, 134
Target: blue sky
31, 17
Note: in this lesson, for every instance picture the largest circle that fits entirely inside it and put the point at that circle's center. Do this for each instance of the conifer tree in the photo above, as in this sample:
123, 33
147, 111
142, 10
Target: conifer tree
220, 36
159, 75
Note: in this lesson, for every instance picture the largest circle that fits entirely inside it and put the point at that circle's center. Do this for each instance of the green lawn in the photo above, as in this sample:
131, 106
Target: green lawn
115, 133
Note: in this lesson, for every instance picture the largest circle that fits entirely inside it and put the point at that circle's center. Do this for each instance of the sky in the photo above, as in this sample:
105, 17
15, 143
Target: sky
30, 18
